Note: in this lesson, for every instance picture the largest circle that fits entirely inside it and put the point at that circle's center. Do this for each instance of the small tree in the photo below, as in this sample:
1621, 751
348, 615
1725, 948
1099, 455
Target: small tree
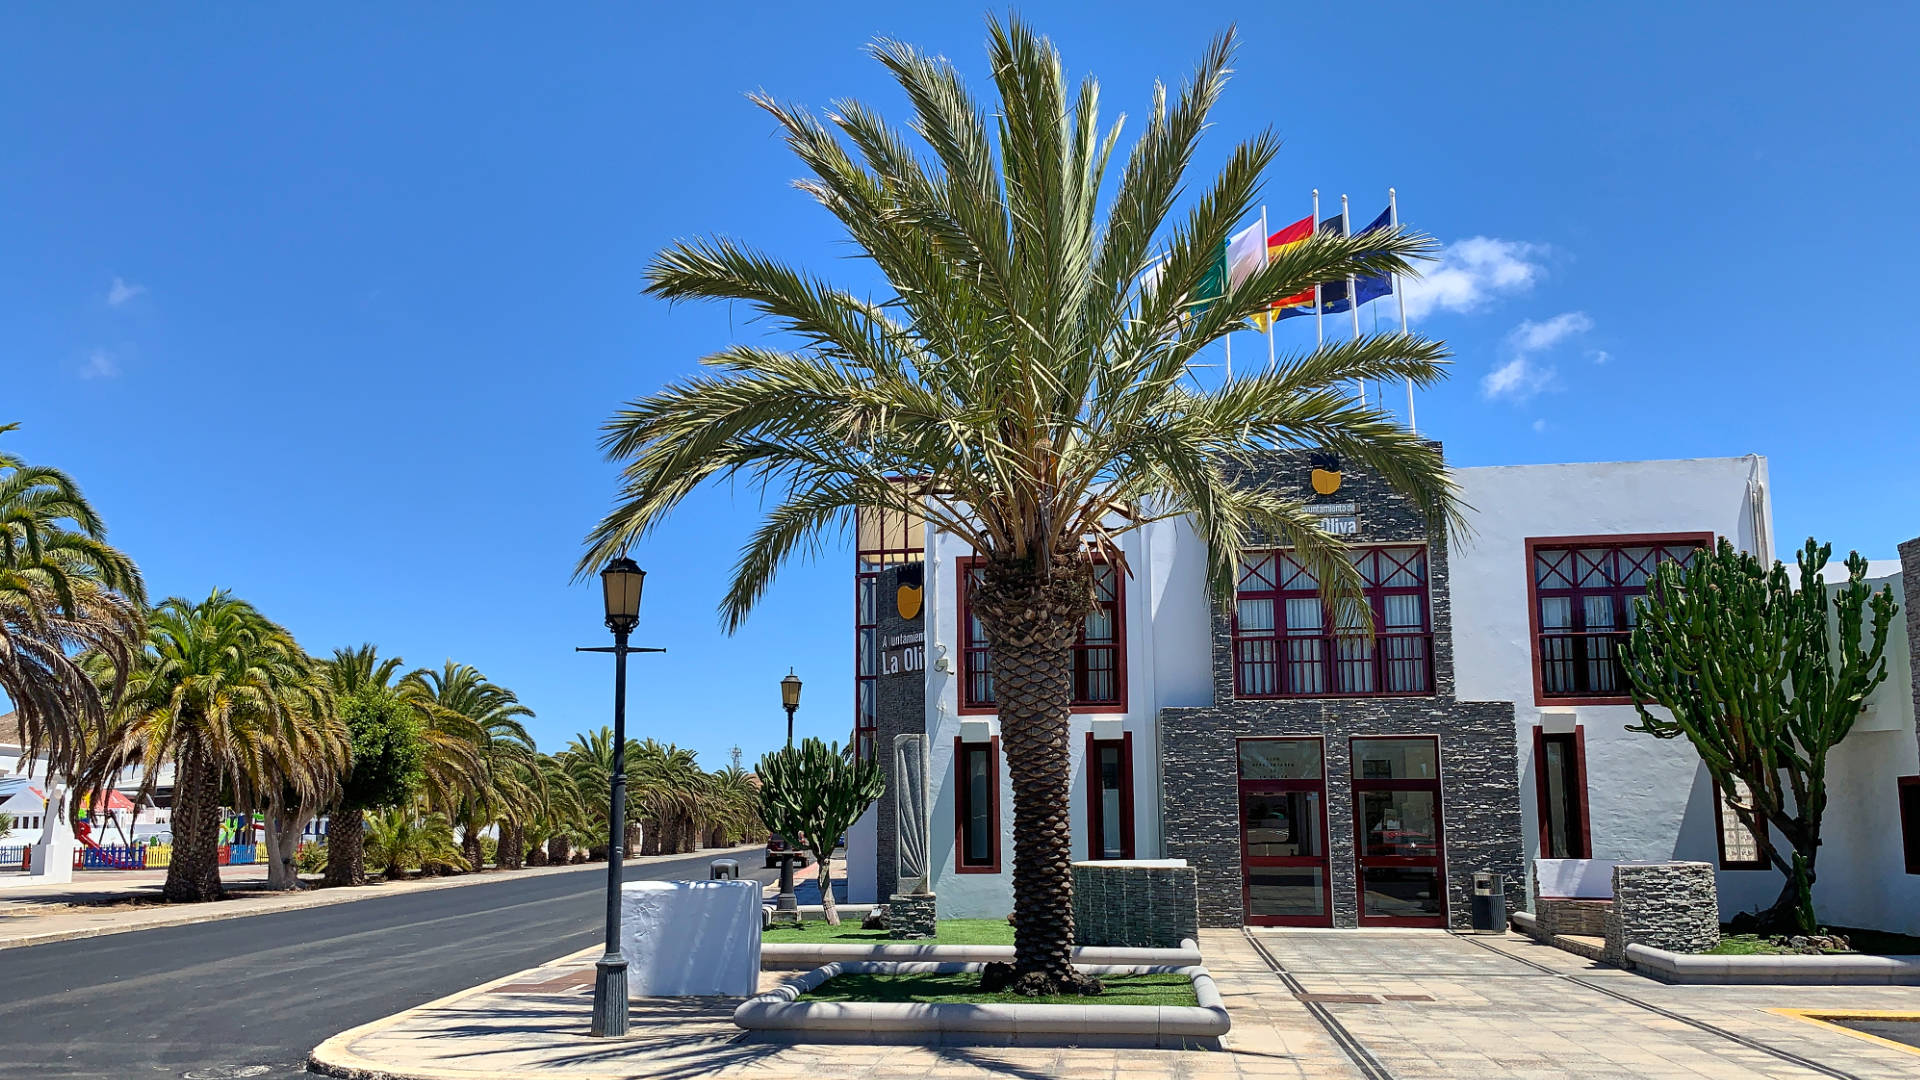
388, 764
812, 793
1753, 673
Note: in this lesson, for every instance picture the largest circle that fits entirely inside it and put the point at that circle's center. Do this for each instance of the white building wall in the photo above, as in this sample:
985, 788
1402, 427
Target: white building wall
1647, 799
1166, 640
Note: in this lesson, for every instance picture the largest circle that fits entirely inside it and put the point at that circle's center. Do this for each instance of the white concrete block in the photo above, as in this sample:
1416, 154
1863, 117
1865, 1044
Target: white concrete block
691, 938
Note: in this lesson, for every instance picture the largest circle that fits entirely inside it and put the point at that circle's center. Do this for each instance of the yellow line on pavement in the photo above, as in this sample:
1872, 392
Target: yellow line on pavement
1826, 1018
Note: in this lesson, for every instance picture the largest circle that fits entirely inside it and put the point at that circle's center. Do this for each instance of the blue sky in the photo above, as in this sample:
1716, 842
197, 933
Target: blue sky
326, 308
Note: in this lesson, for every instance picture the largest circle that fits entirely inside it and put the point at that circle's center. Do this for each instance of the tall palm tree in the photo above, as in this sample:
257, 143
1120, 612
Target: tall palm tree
64, 591
509, 782
1019, 366
589, 761
736, 806
237, 705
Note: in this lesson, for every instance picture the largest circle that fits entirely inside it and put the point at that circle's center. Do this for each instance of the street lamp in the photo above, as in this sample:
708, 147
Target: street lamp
620, 586
786, 906
790, 697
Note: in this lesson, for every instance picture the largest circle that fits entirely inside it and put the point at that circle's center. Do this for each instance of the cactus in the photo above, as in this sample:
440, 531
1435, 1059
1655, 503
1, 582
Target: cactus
1764, 684
811, 794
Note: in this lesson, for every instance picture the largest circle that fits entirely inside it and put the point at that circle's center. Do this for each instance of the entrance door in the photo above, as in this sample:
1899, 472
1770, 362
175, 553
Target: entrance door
1283, 833
1399, 846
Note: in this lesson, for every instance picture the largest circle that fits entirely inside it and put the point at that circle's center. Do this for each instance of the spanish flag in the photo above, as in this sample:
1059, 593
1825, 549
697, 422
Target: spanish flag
1300, 303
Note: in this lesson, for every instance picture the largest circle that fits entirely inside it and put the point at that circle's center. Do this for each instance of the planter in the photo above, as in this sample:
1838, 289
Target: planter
1829, 970
777, 1015
799, 956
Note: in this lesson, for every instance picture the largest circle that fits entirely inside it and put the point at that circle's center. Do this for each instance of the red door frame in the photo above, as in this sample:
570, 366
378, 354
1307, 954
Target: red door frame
1543, 803
1437, 861
1324, 861
1096, 833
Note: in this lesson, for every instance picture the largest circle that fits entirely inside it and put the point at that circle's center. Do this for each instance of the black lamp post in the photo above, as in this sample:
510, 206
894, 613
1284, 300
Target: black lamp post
786, 906
790, 697
620, 585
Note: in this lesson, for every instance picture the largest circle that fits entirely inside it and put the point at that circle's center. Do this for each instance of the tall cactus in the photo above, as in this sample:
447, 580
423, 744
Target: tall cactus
1763, 683
811, 794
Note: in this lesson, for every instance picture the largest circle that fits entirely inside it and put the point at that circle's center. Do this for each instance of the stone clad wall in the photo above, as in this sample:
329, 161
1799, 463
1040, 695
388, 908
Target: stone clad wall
1134, 905
1910, 606
901, 709
1480, 785
1673, 906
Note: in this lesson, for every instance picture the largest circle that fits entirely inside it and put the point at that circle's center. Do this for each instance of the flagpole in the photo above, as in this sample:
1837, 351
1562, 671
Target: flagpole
1266, 257
1400, 295
1319, 333
1353, 294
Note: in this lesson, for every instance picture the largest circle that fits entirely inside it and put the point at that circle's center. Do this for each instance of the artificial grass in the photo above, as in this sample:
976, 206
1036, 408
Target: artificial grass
1868, 942
949, 932
964, 989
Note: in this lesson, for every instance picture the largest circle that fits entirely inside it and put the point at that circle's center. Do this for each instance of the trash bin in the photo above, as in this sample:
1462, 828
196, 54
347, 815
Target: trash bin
1489, 903
723, 870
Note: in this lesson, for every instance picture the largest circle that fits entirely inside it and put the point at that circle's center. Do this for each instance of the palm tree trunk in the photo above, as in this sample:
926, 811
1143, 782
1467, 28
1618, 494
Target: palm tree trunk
471, 850
346, 847
194, 873
650, 836
557, 850
1031, 622
284, 825
513, 847
630, 841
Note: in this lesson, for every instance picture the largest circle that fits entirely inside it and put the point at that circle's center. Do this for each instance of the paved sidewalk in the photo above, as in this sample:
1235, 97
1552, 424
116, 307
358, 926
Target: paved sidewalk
1341, 1004
35, 915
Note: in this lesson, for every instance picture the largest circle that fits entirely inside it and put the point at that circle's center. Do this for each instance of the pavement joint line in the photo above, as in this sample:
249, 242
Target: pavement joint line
1751, 1044
1349, 1044
187, 914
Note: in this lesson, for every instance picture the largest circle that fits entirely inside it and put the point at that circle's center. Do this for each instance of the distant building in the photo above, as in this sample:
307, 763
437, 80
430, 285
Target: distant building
23, 795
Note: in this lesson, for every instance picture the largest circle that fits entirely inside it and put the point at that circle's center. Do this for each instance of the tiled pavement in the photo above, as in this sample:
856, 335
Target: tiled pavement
1406, 1004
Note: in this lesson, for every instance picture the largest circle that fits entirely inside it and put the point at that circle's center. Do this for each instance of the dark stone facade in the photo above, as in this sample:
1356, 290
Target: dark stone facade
1479, 772
1673, 906
1910, 606
900, 709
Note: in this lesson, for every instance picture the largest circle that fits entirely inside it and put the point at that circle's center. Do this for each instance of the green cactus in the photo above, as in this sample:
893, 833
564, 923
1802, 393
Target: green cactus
1764, 683
811, 794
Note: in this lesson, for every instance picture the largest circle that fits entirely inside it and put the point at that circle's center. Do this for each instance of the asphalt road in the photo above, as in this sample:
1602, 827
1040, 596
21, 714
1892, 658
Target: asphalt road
223, 999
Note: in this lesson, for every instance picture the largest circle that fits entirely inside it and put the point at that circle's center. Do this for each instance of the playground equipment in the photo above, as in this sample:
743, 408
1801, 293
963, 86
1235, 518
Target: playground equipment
107, 858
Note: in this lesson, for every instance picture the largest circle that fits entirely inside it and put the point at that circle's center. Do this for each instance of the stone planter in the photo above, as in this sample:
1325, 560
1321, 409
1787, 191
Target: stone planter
1833, 969
777, 1016
791, 956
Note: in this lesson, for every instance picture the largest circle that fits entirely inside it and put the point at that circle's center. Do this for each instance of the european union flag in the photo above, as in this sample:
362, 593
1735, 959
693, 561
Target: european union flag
1333, 294
1373, 288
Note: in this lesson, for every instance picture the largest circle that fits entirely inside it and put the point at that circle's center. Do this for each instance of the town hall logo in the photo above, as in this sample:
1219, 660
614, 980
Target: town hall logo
1326, 472
912, 590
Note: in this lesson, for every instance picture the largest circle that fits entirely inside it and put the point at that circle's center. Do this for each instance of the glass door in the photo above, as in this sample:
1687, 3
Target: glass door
1283, 833
1399, 846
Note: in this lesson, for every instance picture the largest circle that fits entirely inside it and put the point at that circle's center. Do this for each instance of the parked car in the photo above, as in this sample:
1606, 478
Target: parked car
777, 845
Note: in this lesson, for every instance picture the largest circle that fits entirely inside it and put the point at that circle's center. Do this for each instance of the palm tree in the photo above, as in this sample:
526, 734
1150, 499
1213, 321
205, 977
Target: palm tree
507, 783
403, 839
63, 592
589, 762
237, 705
736, 806
1026, 375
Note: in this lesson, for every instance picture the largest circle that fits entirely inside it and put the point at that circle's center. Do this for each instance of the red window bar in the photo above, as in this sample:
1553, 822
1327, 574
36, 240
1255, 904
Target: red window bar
1285, 643
1099, 652
1584, 608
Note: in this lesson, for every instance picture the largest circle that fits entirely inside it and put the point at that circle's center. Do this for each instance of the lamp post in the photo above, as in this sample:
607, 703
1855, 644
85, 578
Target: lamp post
620, 584
790, 697
786, 906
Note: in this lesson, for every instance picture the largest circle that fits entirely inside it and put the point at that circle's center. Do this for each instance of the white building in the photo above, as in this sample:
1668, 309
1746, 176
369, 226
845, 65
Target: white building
1310, 783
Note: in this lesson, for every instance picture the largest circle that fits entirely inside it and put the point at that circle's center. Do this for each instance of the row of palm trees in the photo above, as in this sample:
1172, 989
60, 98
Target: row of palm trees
105, 684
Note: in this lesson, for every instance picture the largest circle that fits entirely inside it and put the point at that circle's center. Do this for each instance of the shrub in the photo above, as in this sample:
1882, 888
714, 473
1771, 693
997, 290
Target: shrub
310, 858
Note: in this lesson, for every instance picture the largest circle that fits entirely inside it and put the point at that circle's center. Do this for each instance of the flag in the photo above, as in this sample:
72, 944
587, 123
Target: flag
1373, 288
1300, 303
1245, 255
1333, 294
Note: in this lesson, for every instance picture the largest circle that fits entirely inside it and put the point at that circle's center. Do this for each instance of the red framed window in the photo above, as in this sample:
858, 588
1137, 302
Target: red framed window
1099, 651
1110, 797
1560, 786
976, 827
1910, 821
1582, 592
1741, 848
1286, 643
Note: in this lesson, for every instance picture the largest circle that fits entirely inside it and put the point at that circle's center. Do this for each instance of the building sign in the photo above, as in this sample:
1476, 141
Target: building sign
1336, 519
903, 654
911, 590
1325, 476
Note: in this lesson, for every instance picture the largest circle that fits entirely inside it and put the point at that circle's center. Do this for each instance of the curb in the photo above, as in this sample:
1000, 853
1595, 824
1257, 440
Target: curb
183, 914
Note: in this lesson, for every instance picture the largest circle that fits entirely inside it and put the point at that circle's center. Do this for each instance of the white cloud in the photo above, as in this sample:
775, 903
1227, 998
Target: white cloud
99, 365
1531, 337
1522, 376
1472, 273
1601, 356
1539, 425
123, 291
